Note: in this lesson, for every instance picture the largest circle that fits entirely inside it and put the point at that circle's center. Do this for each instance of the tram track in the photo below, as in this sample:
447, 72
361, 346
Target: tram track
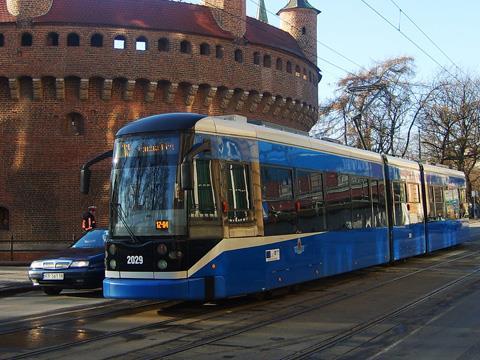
291, 314
199, 339
349, 333
73, 314
136, 354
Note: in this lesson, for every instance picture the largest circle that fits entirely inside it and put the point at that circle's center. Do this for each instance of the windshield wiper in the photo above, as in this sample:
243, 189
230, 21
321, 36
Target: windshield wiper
117, 208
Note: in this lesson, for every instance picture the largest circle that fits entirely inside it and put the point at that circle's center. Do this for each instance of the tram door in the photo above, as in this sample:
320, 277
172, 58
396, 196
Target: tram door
241, 194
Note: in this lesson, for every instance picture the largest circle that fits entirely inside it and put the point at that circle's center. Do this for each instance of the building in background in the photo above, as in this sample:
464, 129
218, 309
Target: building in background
72, 72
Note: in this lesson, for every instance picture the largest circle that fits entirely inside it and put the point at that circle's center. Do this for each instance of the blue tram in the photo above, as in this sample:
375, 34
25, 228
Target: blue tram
213, 207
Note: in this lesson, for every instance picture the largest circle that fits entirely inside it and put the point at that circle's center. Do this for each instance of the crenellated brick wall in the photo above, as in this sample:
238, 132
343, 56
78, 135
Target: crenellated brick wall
62, 105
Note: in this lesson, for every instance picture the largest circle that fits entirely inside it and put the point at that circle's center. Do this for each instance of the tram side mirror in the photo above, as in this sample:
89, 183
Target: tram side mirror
186, 175
186, 166
85, 181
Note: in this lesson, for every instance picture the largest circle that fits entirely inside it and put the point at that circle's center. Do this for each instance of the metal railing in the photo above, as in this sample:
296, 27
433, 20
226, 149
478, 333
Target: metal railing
13, 246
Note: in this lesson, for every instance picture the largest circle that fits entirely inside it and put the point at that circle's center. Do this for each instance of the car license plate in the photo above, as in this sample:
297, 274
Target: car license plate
53, 276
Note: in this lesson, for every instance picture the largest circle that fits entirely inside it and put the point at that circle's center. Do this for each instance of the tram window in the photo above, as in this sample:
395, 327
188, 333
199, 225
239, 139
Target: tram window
413, 194
463, 203
439, 202
431, 204
361, 204
238, 191
339, 201
378, 201
4, 219
452, 204
279, 213
414, 207
310, 202
400, 203
203, 202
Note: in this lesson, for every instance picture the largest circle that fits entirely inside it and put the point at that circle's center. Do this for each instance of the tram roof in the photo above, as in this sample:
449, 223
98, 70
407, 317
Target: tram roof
402, 163
239, 127
441, 170
162, 122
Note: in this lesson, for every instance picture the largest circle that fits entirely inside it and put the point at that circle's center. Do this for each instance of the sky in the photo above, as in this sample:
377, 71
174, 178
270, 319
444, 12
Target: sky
352, 29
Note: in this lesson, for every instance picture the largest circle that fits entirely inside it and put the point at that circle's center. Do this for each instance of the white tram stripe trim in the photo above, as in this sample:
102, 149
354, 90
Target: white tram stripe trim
136, 275
242, 243
223, 246
112, 274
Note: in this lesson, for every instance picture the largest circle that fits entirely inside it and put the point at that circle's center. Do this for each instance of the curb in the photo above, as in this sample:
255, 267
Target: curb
17, 289
14, 263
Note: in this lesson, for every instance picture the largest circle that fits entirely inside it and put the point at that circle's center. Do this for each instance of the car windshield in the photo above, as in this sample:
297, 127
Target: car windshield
92, 239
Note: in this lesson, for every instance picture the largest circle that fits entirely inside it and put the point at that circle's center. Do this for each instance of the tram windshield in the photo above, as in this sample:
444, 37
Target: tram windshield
144, 182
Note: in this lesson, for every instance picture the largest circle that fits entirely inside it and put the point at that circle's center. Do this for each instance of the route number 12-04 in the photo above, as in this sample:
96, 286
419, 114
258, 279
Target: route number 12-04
134, 260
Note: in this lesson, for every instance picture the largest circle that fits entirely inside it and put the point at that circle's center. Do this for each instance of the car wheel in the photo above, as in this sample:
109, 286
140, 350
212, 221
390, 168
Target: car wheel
52, 290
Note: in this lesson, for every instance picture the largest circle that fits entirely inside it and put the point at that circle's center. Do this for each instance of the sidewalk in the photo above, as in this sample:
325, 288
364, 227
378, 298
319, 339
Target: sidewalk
14, 280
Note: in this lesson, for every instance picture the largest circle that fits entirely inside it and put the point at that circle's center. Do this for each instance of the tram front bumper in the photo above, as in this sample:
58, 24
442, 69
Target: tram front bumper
178, 289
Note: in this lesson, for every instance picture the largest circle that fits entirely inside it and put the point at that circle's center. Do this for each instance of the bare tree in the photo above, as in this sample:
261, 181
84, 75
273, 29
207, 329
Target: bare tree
387, 101
450, 124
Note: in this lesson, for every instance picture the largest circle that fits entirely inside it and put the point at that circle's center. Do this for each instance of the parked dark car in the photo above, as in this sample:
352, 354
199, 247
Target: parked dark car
81, 266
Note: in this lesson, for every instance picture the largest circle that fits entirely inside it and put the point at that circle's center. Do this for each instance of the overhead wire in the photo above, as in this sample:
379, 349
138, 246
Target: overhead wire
315, 39
424, 33
407, 37
454, 76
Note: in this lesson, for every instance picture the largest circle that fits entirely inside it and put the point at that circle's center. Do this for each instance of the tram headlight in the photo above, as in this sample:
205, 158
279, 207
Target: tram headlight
179, 254
112, 249
162, 249
172, 255
113, 264
162, 264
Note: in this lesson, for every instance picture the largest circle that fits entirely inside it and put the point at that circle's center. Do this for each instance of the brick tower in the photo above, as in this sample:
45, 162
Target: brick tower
26, 10
231, 15
299, 18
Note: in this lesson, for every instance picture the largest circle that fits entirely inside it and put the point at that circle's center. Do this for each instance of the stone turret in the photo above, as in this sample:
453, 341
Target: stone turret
299, 18
231, 15
26, 10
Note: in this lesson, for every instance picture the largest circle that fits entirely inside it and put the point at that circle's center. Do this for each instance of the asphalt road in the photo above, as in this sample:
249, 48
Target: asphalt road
422, 308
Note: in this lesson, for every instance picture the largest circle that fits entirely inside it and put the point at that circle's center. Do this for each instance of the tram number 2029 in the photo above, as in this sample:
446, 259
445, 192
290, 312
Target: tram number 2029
134, 260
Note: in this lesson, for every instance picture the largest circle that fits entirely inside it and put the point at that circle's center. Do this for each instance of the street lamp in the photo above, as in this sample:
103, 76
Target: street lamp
357, 118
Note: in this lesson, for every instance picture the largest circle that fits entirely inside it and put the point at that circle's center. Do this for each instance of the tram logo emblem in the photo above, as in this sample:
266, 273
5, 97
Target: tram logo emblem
272, 255
299, 249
